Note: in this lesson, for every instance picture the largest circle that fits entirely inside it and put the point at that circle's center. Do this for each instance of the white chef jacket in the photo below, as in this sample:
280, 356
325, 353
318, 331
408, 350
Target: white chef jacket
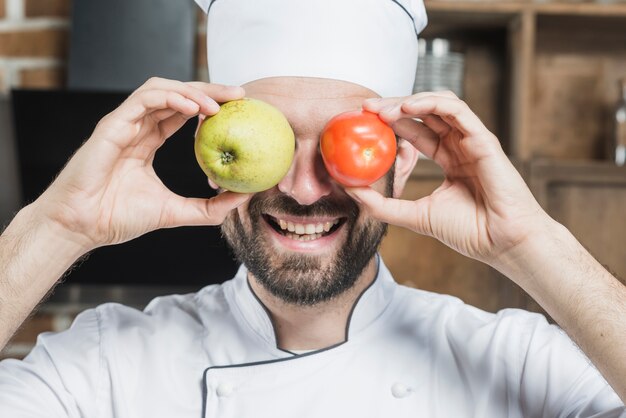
408, 353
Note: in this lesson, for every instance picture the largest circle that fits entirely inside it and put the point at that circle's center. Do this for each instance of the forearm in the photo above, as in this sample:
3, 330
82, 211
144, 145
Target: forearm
34, 254
582, 297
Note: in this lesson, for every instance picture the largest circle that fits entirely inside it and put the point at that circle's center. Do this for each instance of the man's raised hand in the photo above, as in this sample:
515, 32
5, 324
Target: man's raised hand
109, 193
483, 208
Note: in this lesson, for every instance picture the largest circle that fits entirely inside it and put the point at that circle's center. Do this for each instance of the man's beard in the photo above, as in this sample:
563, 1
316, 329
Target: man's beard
303, 279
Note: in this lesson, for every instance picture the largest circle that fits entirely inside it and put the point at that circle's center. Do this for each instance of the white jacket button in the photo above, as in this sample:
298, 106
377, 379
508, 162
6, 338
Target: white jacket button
224, 390
399, 390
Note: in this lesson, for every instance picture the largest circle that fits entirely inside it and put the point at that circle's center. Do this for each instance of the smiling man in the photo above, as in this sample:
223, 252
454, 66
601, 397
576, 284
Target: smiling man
313, 323
308, 247
307, 223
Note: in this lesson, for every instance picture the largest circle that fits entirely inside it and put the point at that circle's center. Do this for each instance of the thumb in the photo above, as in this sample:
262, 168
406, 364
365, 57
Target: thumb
193, 211
408, 214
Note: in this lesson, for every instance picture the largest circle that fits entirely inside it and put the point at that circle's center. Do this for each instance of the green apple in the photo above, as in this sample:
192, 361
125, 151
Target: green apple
246, 147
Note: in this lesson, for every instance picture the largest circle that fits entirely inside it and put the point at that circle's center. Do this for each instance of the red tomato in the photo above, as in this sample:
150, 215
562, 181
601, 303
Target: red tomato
358, 148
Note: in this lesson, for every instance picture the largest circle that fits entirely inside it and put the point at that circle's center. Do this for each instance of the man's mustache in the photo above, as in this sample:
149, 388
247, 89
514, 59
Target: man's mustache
283, 204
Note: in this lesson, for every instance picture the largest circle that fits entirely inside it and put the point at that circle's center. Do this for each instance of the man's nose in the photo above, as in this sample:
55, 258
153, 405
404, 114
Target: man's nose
307, 179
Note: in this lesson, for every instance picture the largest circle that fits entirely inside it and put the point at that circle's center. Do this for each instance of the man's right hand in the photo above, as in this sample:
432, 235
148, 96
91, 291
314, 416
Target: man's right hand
109, 193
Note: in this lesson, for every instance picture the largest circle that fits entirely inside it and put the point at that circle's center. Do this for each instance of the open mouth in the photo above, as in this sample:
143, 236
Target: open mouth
302, 231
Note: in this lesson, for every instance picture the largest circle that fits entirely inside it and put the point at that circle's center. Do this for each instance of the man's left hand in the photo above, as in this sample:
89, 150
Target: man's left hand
483, 208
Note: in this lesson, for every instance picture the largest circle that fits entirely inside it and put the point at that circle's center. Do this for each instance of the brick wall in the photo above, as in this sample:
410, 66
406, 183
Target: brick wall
34, 45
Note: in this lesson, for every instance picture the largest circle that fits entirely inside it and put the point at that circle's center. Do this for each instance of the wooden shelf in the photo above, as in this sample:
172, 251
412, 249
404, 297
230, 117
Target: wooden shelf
471, 14
489, 7
581, 9
513, 8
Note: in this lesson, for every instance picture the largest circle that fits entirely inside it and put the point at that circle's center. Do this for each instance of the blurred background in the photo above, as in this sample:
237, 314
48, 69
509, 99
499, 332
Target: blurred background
548, 77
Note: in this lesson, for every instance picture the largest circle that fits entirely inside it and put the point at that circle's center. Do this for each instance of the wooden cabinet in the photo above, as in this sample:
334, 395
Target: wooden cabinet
543, 77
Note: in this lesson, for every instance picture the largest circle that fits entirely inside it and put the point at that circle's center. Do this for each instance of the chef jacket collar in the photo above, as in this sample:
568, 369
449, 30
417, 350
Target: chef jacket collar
367, 308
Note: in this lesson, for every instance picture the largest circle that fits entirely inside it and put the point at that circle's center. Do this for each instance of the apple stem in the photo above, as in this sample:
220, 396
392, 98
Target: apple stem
227, 157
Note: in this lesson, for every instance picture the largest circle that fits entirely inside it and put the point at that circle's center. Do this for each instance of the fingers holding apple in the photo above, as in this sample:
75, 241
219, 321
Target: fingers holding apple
109, 192
246, 147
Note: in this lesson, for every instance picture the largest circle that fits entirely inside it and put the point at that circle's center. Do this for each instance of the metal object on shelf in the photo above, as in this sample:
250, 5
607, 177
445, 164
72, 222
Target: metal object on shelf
439, 67
618, 143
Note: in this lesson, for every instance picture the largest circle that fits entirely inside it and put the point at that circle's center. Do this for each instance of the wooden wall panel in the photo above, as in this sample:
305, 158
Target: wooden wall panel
521, 56
484, 84
567, 116
595, 214
590, 200
575, 87
574, 97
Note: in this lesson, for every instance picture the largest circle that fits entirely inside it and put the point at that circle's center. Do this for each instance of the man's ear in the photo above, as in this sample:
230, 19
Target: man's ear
406, 158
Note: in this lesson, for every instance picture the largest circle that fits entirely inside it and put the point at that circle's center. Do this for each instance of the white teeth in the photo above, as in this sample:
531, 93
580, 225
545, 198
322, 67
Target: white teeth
305, 237
305, 231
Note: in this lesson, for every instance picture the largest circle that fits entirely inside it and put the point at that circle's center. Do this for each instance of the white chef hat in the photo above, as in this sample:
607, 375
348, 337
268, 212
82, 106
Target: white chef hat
368, 42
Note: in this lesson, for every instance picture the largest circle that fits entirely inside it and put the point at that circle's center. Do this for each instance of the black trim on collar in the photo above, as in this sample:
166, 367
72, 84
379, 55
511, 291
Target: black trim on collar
295, 356
209, 8
349, 320
204, 393
255, 363
269, 315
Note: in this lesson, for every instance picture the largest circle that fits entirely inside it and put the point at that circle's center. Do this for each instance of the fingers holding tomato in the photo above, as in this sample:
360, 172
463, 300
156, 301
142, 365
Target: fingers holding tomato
358, 148
477, 208
442, 113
